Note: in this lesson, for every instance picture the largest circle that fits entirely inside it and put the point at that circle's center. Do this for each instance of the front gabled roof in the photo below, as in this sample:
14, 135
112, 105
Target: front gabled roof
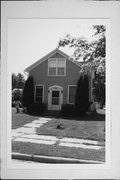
48, 56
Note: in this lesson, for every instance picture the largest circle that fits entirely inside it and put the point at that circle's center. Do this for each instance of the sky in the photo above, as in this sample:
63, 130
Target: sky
28, 40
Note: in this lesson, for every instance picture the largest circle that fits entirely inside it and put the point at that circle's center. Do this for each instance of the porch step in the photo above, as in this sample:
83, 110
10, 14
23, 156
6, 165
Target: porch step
52, 113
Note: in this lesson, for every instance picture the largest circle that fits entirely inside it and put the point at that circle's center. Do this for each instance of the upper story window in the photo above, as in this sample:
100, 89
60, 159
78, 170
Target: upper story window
57, 67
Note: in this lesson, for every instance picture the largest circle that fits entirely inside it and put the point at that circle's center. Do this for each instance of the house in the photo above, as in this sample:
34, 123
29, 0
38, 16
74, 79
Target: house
55, 78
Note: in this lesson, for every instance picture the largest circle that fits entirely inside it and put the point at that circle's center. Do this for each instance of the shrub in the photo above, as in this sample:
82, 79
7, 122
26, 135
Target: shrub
28, 92
68, 109
36, 108
99, 89
82, 95
16, 95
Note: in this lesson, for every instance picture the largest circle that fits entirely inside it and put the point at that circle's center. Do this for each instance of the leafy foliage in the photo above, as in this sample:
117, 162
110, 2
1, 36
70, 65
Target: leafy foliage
28, 92
14, 81
17, 95
18, 81
99, 89
93, 53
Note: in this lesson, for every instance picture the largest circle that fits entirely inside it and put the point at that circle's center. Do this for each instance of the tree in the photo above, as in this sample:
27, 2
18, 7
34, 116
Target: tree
28, 92
93, 54
14, 81
86, 92
99, 89
17, 95
82, 95
18, 81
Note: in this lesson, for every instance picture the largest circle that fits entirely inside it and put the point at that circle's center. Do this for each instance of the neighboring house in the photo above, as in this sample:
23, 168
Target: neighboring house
55, 78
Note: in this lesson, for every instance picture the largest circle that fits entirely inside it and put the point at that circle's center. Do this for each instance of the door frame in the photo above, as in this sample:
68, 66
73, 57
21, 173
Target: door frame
55, 88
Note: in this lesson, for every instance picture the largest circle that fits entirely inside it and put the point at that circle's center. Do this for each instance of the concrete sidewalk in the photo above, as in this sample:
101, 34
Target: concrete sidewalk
27, 133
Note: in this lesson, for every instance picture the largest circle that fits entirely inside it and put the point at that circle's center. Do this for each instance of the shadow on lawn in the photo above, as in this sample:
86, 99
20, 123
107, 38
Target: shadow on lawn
91, 117
87, 117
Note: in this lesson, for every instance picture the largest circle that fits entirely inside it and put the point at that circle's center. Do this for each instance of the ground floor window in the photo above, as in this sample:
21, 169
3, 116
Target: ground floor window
71, 94
39, 93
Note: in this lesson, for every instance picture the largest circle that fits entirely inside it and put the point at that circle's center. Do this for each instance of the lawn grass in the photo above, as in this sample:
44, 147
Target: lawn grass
20, 119
93, 130
86, 128
58, 151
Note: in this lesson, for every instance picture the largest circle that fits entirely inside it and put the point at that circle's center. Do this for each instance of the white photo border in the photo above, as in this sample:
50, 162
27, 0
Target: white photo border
44, 10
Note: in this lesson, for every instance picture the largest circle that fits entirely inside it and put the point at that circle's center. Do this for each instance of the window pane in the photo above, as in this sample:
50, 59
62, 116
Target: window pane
38, 99
52, 71
72, 92
72, 99
61, 71
55, 97
55, 93
39, 90
61, 62
52, 63
55, 101
56, 66
39, 93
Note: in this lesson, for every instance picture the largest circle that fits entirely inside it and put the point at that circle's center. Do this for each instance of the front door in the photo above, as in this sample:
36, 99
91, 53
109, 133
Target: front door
55, 98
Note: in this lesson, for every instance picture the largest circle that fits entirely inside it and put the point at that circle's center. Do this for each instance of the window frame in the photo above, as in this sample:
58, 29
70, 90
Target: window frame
68, 100
57, 67
35, 93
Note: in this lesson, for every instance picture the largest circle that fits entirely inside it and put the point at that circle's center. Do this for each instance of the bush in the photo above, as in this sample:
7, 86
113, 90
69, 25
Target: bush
99, 89
17, 95
28, 92
68, 109
36, 108
82, 95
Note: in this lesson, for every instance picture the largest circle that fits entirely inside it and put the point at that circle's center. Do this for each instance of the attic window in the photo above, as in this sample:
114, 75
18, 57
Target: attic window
56, 67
